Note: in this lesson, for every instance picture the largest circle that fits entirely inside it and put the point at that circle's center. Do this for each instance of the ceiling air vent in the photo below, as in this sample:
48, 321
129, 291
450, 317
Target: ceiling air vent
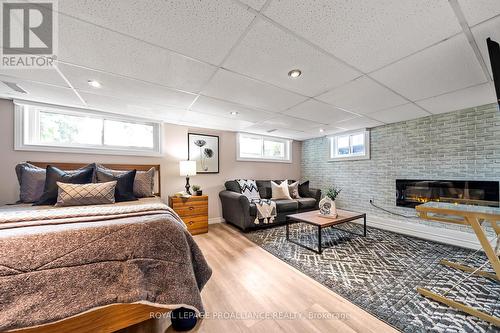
271, 130
15, 87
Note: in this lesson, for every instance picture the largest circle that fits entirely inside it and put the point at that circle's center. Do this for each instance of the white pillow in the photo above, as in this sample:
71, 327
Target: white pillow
280, 191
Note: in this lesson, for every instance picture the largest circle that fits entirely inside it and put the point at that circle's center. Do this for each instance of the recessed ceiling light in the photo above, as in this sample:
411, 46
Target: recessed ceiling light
294, 73
233, 113
321, 130
94, 83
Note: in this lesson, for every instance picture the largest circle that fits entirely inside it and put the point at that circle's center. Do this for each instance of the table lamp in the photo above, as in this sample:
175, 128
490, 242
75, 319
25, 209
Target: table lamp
187, 168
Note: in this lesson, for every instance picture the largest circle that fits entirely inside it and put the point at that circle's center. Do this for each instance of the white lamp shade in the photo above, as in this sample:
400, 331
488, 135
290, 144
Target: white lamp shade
187, 168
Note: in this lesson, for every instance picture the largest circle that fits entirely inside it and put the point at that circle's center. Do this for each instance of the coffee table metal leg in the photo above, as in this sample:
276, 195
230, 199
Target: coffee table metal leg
287, 220
319, 240
364, 225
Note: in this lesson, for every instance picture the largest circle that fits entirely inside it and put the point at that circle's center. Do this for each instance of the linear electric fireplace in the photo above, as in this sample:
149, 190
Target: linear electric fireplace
411, 192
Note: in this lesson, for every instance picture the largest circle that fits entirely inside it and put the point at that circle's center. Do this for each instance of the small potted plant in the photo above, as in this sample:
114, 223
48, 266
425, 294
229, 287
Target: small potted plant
197, 190
327, 205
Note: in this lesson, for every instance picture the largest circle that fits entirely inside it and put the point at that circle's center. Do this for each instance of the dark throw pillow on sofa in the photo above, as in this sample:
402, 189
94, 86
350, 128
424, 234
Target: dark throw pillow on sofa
304, 189
124, 190
54, 175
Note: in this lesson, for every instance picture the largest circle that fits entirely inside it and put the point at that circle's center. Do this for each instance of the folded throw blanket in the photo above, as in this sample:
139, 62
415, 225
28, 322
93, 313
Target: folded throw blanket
266, 210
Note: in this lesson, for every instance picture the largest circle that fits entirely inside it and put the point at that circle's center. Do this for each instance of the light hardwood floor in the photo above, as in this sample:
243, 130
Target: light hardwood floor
247, 279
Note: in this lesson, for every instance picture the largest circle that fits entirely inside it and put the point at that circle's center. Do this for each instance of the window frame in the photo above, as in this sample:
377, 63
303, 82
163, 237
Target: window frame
23, 128
288, 147
333, 145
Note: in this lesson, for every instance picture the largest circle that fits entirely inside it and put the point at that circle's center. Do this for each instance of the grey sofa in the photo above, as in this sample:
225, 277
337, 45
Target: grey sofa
237, 210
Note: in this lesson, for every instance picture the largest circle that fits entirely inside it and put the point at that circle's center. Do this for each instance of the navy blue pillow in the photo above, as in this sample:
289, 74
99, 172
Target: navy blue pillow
54, 175
124, 190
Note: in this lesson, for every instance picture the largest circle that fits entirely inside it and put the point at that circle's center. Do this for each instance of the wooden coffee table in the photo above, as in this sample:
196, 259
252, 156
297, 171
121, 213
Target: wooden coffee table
321, 222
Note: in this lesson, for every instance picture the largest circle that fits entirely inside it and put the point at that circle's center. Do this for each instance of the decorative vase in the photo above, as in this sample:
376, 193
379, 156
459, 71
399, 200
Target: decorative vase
334, 209
327, 207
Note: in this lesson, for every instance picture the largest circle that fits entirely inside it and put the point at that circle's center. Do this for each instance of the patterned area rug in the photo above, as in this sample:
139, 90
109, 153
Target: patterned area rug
380, 272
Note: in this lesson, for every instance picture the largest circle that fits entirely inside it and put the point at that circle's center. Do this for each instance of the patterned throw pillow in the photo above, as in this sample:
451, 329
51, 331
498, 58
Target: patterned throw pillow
86, 194
293, 189
144, 181
249, 188
280, 191
32, 181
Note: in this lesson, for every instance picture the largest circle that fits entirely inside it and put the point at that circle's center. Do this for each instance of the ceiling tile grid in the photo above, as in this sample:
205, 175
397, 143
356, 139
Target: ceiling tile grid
318, 111
363, 62
445, 67
399, 113
362, 96
230, 110
477, 11
365, 33
203, 29
243, 90
460, 99
491, 29
90, 46
269, 53
122, 87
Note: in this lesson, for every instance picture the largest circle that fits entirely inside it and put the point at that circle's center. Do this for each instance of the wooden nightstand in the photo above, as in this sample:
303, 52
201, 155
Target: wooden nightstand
193, 211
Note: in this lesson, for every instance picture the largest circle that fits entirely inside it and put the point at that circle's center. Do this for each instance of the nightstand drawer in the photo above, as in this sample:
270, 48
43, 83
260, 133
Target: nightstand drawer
196, 222
190, 210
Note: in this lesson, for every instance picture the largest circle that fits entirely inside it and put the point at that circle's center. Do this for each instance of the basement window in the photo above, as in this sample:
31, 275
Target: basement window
44, 127
251, 147
350, 146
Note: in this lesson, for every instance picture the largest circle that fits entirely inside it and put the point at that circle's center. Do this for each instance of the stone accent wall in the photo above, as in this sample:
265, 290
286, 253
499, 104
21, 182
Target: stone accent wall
457, 145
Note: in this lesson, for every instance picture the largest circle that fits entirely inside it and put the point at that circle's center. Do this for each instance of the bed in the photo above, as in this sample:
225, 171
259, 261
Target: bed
96, 268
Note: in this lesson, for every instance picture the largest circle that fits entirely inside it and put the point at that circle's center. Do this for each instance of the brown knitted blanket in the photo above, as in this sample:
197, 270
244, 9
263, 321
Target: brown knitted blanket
51, 271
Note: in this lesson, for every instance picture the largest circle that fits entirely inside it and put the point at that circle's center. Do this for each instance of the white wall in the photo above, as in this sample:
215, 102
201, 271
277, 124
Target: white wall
174, 150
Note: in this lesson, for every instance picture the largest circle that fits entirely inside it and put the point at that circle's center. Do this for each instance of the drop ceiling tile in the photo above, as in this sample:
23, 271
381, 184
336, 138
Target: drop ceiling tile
327, 130
203, 29
243, 90
268, 54
484, 30
255, 4
46, 76
461, 99
358, 123
362, 96
476, 11
399, 113
319, 112
222, 108
365, 33
137, 108
287, 122
270, 130
121, 87
90, 46
39, 92
198, 119
445, 67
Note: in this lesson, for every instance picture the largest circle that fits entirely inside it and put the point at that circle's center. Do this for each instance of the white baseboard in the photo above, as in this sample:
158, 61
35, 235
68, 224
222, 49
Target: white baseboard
424, 231
214, 220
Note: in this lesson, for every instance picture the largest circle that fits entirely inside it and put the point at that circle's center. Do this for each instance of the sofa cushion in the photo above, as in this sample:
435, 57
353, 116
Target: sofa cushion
233, 186
286, 205
306, 203
248, 188
304, 189
280, 191
264, 187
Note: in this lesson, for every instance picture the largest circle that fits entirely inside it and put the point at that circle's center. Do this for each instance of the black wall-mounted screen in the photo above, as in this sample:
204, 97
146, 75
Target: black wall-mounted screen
494, 52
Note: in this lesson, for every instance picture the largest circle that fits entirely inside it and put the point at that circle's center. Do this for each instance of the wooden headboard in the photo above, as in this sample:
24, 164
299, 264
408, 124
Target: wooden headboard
124, 167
